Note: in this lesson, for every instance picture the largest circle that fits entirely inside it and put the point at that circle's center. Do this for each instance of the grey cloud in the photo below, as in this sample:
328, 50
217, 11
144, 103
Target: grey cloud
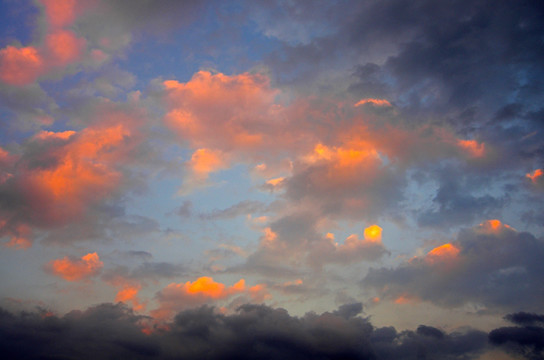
454, 203
501, 270
526, 340
242, 208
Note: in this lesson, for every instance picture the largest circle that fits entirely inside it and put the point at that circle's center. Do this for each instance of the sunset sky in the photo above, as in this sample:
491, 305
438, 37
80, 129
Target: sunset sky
272, 179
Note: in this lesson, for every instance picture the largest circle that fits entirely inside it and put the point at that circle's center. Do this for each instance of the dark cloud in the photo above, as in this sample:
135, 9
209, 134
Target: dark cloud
523, 318
495, 267
252, 332
526, 340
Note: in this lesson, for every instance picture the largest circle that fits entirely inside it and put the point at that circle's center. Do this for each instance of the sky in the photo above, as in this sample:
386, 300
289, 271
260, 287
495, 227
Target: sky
272, 179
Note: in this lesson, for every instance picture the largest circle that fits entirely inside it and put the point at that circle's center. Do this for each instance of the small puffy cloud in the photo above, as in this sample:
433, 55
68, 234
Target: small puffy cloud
491, 265
79, 269
202, 163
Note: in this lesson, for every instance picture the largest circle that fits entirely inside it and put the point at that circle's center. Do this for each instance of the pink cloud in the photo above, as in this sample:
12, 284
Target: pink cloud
75, 270
203, 290
20, 66
79, 169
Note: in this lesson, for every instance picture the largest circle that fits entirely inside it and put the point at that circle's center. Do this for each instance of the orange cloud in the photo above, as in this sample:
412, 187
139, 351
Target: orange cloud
375, 102
535, 175
353, 249
19, 237
472, 147
205, 161
175, 297
20, 66
275, 182
493, 227
79, 169
129, 294
220, 111
85, 170
406, 299
74, 270
442, 254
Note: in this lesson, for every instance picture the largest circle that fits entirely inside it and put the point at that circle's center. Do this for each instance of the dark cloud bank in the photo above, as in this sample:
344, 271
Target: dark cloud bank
113, 331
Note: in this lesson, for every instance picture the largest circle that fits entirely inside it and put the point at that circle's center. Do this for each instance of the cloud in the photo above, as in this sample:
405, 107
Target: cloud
20, 66
491, 265
203, 162
204, 290
352, 250
56, 177
61, 47
375, 102
252, 332
75, 270
526, 340
220, 112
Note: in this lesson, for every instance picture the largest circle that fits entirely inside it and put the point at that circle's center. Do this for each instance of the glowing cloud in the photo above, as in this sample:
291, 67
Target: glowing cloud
493, 227
79, 169
375, 102
535, 175
205, 161
83, 173
74, 270
129, 294
472, 147
442, 254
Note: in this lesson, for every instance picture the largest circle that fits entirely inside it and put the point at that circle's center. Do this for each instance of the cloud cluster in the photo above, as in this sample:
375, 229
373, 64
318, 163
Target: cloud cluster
253, 332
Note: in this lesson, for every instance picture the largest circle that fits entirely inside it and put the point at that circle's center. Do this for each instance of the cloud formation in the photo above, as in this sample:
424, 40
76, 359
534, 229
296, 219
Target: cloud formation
253, 332
491, 265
